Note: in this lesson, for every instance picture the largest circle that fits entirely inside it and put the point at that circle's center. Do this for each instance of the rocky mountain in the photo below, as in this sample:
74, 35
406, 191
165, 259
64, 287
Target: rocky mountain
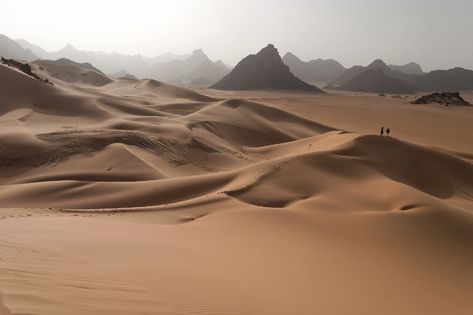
264, 70
410, 68
356, 70
318, 70
375, 80
196, 67
12, 50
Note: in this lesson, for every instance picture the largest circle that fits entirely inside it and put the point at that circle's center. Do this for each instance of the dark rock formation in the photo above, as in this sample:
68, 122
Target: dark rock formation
265, 70
444, 98
23, 67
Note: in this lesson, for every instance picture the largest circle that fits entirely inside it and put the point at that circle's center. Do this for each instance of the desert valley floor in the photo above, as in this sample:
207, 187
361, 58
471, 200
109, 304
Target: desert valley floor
135, 197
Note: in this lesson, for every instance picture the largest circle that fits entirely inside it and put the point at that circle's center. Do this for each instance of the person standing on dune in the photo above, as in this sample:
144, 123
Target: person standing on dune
381, 133
388, 131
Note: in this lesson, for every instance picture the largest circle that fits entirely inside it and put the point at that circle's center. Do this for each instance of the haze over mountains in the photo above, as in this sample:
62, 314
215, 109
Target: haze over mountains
169, 67
195, 67
107, 62
198, 69
319, 70
409, 68
12, 50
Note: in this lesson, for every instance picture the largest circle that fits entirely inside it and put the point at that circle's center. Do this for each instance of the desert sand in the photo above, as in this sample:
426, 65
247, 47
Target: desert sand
136, 197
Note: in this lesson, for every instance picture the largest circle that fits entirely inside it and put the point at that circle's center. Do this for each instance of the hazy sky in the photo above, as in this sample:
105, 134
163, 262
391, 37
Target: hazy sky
437, 34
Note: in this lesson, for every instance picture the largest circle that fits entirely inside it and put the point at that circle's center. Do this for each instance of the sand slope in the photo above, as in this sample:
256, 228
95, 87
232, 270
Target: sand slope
137, 197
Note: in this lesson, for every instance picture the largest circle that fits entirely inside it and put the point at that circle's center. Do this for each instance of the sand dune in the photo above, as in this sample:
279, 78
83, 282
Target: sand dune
71, 72
138, 197
271, 182
241, 122
172, 91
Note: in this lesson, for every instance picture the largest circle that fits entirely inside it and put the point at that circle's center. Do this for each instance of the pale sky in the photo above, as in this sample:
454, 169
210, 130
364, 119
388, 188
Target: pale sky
435, 33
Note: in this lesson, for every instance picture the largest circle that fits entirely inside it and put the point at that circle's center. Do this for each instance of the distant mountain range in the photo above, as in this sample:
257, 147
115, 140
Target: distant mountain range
107, 62
197, 69
319, 70
264, 70
378, 77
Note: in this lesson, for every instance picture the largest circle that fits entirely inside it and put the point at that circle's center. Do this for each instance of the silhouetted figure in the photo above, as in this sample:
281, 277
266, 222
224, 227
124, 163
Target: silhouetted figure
381, 133
388, 131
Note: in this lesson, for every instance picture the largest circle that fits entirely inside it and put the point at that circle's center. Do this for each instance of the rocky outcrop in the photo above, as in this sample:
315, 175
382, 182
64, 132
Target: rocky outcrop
444, 98
23, 67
